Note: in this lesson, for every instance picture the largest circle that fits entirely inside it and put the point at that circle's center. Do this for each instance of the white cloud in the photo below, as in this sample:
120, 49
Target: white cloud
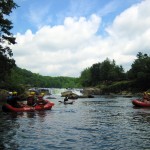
130, 30
65, 50
57, 50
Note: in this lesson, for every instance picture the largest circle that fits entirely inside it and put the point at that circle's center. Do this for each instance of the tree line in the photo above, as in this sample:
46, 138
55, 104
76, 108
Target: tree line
114, 77
106, 75
20, 79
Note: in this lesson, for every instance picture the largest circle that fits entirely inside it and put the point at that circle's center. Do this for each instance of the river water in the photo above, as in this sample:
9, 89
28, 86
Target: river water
102, 123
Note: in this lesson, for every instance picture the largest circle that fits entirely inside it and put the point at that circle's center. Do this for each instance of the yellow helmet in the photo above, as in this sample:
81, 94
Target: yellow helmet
32, 93
42, 94
14, 93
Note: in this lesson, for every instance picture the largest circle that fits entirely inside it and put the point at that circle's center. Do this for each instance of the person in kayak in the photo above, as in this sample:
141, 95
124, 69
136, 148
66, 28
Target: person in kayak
65, 99
31, 100
146, 97
13, 99
41, 100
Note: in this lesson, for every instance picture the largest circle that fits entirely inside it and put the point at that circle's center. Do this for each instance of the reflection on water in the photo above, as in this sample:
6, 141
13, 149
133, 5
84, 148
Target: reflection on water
98, 123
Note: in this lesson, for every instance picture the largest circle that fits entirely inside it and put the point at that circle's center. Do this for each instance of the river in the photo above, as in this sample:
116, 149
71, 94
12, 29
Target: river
102, 123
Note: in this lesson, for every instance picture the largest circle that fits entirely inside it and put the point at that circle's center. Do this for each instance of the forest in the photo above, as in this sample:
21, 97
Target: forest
20, 79
105, 75
112, 78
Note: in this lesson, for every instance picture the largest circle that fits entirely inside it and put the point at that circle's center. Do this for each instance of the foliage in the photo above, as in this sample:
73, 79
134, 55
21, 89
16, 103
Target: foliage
85, 78
112, 78
22, 77
140, 70
6, 38
118, 87
107, 71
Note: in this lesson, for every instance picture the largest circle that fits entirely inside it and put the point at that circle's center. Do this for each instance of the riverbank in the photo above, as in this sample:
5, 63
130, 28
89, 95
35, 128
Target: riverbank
99, 91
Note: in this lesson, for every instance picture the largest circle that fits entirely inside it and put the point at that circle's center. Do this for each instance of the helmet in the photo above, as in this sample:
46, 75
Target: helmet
10, 93
14, 93
42, 94
32, 93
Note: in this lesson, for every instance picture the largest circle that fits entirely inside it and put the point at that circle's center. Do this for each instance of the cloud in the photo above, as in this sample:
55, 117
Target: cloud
131, 29
56, 50
67, 49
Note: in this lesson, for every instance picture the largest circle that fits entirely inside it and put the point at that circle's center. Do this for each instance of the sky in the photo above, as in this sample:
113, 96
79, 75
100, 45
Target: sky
64, 37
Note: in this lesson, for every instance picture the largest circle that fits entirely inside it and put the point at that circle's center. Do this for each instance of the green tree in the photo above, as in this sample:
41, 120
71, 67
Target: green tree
6, 38
26, 78
140, 71
104, 72
85, 77
95, 73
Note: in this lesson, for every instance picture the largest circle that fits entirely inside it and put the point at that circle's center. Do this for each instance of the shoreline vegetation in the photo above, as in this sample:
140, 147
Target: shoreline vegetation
105, 78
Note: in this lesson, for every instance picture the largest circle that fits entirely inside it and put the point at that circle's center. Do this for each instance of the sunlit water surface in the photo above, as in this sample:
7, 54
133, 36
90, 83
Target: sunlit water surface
101, 123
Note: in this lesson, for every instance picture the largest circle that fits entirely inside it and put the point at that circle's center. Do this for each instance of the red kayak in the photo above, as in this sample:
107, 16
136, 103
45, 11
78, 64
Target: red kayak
139, 103
26, 108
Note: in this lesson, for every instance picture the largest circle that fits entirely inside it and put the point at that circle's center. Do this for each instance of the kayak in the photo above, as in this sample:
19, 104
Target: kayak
139, 103
26, 108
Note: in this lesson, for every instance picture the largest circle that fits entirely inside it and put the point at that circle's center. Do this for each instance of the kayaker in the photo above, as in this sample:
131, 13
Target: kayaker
146, 97
9, 98
31, 100
41, 100
65, 99
13, 99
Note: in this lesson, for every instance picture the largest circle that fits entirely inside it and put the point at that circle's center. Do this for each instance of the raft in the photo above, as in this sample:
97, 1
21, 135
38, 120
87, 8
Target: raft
139, 103
26, 108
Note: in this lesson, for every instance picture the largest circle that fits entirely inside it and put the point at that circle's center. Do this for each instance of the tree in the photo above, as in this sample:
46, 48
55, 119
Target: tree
140, 71
104, 72
95, 73
6, 38
85, 77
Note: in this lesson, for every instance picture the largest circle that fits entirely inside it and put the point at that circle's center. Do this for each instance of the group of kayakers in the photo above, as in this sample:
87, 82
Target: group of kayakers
32, 99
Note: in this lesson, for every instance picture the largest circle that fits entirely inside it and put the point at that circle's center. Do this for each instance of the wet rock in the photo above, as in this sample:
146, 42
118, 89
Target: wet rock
69, 94
91, 91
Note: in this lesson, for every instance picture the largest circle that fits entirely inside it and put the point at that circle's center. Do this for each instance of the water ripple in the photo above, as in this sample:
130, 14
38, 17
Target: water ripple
99, 123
